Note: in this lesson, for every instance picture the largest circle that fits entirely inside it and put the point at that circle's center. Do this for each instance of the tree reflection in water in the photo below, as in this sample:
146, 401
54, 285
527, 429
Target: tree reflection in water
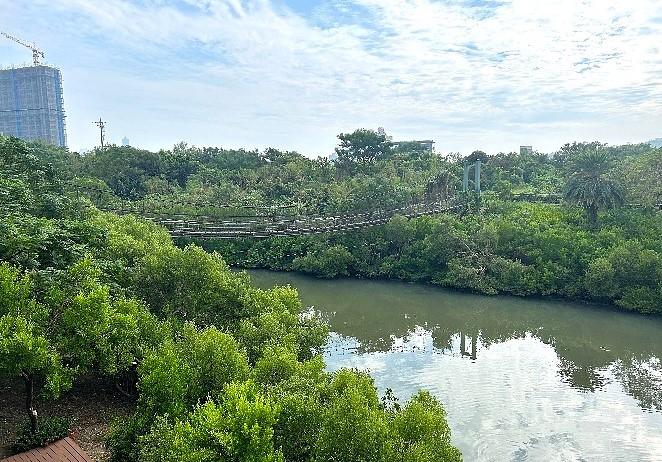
594, 345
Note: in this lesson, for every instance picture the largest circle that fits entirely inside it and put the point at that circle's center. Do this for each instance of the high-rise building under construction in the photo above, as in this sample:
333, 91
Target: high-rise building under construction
31, 104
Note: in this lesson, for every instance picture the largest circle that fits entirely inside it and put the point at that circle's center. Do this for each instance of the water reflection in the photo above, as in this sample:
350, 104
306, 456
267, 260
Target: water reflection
520, 379
587, 340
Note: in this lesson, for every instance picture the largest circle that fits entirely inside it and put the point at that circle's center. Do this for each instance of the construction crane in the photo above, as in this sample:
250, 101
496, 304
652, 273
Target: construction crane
36, 52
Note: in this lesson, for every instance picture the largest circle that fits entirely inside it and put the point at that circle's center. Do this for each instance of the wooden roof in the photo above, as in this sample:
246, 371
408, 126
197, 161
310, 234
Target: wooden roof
64, 450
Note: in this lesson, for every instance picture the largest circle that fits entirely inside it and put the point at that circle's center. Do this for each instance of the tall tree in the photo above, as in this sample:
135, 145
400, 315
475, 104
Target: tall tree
362, 147
589, 185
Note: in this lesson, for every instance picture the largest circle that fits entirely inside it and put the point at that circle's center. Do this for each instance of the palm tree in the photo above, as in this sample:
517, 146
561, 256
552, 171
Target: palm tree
590, 187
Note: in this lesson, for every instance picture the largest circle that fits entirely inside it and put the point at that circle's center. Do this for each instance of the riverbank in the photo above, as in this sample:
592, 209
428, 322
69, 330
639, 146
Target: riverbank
608, 307
521, 249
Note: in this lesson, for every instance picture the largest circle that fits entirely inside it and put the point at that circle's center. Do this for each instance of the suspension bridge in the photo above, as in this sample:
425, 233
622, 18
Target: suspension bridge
265, 226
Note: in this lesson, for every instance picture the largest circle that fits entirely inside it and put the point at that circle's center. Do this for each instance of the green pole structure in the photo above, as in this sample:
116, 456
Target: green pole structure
477, 175
465, 179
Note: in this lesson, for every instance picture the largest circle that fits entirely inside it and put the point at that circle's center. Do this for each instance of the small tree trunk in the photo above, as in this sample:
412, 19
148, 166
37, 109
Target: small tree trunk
592, 213
29, 401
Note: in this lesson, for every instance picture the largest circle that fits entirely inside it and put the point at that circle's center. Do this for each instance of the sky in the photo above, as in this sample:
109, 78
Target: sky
293, 74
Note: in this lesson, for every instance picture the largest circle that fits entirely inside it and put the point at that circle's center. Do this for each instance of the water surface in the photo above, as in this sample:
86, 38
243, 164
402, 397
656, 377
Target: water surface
521, 379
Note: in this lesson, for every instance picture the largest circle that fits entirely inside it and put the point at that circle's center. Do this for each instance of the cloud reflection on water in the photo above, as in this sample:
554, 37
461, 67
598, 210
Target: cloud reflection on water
516, 400
550, 380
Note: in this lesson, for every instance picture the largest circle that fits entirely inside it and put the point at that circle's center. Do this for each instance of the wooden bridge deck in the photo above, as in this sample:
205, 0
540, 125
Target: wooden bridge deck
265, 227
64, 450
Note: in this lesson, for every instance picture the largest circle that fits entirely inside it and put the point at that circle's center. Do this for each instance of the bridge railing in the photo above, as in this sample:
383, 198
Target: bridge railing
201, 228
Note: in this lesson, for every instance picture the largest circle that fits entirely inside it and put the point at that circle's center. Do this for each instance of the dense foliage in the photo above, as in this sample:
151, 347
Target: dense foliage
511, 247
521, 239
222, 370
589, 185
227, 182
369, 173
225, 371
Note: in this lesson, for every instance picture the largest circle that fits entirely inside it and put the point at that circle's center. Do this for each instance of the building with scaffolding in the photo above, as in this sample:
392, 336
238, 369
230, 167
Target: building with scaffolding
31, 104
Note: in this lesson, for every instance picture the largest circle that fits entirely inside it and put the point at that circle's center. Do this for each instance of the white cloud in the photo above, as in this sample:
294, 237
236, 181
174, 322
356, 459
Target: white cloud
256, 73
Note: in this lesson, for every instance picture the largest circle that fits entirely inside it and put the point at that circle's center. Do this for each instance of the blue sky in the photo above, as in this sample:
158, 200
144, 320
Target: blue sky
470, 74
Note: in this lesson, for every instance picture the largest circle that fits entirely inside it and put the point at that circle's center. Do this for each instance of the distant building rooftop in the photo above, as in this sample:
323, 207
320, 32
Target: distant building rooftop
426, 144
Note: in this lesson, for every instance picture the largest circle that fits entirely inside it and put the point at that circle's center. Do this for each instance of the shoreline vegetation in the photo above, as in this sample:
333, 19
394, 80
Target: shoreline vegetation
560, 224
519, 249
543, 298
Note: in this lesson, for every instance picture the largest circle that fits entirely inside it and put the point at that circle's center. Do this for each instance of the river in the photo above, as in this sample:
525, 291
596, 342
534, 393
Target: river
520, 379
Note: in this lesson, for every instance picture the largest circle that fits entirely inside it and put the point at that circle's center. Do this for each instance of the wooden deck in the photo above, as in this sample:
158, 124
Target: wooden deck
64, 450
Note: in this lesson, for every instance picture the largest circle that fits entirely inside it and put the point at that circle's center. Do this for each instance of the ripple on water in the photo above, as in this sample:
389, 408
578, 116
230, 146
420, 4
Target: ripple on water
511, 402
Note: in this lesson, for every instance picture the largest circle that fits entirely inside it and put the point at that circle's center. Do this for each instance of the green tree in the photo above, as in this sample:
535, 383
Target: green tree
642, 176
74, 322
301, 399
354, 426
177, 375
191, 285
628, 275
589, 185
328, 262
124, 169
27, 354
362, 148
96, 331
280, 322
32, 176
16, 296
569, 151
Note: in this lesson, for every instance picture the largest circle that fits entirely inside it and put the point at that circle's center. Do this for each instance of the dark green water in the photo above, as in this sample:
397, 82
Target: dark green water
520, 379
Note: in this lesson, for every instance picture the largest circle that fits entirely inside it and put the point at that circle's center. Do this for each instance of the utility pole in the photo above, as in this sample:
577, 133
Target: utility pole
102, 129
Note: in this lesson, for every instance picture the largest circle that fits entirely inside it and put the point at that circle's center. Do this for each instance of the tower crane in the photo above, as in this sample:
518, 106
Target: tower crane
36, 52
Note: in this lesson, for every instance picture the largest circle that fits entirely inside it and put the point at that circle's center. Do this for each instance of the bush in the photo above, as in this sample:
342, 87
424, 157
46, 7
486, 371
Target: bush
329, 262
238, 428
50, 429
420, 432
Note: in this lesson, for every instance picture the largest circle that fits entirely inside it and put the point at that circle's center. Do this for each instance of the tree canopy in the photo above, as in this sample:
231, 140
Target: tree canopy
362, 148
220, 369
589, 185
